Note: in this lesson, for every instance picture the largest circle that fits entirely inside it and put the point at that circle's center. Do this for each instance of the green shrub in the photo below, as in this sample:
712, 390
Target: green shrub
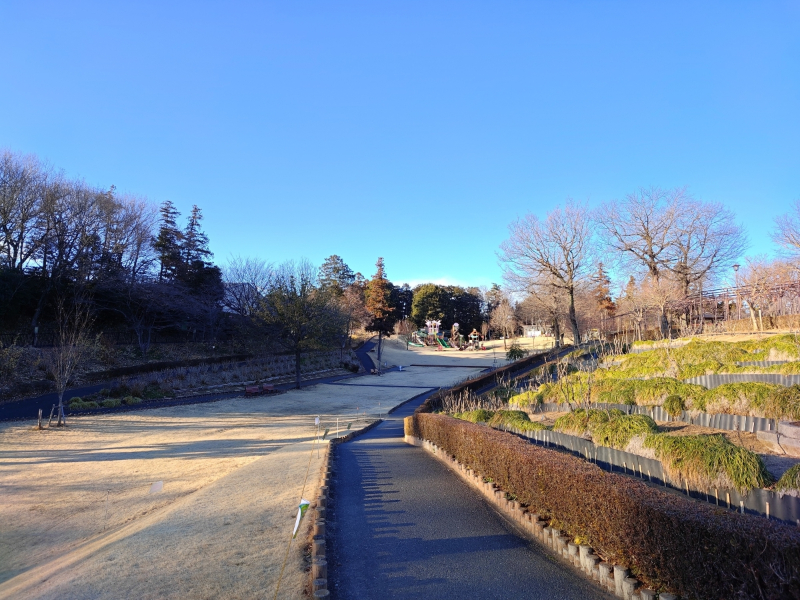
783, 403
78, 403
111, 402
706, 460
131, 400
790, 481
515, 352
702, 550
674, 405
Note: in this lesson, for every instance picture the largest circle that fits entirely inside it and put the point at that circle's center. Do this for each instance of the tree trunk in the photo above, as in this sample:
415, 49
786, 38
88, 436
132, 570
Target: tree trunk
556, 333
61, 409
573, 319
752, 315
380, 340
297, 369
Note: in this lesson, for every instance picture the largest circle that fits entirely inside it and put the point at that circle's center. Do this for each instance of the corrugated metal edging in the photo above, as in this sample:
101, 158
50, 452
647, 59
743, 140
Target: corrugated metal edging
760, 363
639, 350
715, 421
758, 502
712, 381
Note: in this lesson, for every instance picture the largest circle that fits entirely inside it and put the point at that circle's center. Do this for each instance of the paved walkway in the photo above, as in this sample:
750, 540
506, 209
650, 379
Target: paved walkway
405, 526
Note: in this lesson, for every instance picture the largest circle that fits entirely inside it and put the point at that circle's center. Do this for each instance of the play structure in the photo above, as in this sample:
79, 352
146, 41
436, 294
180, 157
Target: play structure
432, 337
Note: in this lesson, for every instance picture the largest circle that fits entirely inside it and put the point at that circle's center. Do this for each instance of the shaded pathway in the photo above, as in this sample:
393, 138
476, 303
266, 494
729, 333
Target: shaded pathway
405, 526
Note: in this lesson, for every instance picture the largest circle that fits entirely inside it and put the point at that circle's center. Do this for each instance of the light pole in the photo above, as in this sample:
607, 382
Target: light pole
736, 283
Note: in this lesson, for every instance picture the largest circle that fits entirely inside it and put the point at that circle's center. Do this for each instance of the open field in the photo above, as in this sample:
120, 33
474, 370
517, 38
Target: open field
79, 521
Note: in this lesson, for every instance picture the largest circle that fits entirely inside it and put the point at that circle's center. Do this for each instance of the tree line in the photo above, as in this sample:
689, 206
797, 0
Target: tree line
661, 246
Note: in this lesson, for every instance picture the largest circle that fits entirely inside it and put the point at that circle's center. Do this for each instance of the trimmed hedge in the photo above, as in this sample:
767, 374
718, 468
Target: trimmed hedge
668, 541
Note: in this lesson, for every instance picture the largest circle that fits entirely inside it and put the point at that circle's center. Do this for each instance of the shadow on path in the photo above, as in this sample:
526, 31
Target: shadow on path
405, 526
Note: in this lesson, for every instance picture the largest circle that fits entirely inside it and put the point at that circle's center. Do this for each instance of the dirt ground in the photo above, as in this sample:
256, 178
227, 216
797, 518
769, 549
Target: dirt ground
79, 520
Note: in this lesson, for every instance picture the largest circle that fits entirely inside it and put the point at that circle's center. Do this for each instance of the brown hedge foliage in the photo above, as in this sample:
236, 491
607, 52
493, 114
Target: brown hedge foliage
670, 542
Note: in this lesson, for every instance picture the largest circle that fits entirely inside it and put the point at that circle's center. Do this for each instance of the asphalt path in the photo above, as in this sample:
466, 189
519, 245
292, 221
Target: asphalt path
403, 525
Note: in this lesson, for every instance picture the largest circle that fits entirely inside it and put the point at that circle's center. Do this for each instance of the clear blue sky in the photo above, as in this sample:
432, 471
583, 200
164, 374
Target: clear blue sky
410, 130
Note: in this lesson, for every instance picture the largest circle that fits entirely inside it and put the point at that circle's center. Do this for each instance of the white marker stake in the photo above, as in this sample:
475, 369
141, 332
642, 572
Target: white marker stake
301, 510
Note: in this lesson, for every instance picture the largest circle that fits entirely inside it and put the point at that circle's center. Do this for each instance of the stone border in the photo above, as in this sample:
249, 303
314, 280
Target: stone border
613, 578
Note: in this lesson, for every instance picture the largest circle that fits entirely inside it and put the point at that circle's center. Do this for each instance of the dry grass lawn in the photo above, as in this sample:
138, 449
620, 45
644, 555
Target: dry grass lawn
78, 520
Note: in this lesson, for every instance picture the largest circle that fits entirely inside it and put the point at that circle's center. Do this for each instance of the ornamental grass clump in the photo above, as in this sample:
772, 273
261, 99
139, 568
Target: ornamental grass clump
527, 398
619, 430
611, 428
475, 416
743, 398
674, 405
701, 358
582, 421
706, 461
783, 403
515, 419
790, 481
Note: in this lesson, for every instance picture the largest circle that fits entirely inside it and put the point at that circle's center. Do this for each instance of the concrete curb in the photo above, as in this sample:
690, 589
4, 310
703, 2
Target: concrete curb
318, 530
613, 578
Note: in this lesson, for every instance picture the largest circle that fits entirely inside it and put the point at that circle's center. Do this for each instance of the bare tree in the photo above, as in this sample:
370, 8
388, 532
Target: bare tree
758, 280
556, 251
669, 232
659, 293
405, 330
787, 230
633, 303
246, 281
73, 324
706, 240
503, 319
22, 183
546, 302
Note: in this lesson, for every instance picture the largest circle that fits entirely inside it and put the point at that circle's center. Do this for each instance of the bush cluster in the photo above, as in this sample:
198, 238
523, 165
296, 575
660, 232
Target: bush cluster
695, 549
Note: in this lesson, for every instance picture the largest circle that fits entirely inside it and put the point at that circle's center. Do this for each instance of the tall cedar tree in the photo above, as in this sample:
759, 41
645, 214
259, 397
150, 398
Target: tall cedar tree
378, 300
168, 242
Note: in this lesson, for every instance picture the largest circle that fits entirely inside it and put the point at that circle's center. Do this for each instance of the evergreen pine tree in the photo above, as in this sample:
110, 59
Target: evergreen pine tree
168, 243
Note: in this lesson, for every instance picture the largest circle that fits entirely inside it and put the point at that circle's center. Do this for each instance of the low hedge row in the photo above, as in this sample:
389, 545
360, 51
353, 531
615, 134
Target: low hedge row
668, 541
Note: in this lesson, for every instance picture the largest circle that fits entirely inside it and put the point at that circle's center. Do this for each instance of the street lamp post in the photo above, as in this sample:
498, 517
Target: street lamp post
736, 283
